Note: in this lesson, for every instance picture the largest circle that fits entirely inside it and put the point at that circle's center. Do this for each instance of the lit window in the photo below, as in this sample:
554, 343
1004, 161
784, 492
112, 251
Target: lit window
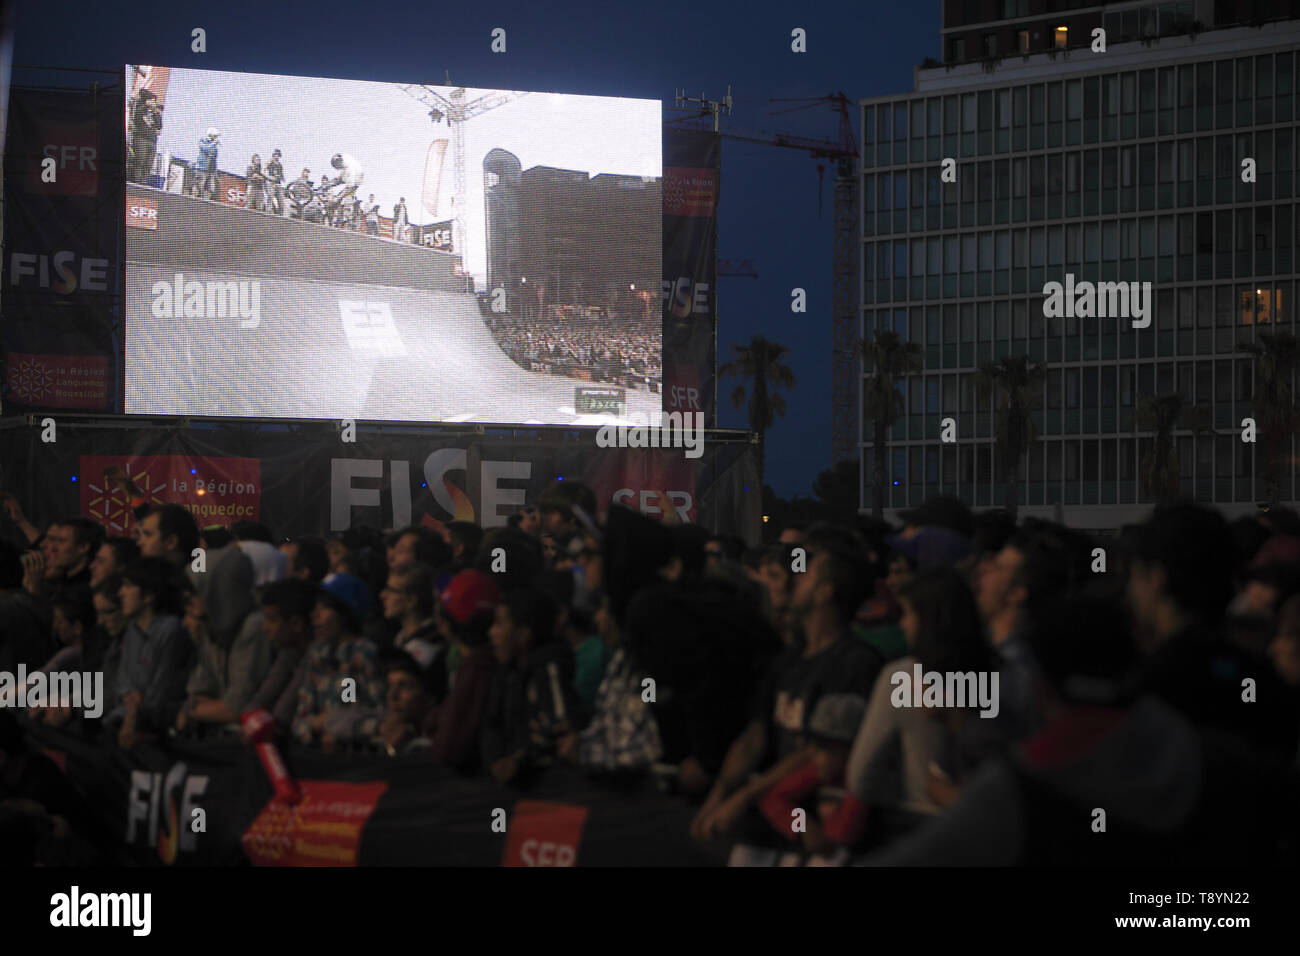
1062, 37
1022, 41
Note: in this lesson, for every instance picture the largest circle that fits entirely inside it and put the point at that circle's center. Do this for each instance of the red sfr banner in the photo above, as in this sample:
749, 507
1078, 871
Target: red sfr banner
220, 491
544, 834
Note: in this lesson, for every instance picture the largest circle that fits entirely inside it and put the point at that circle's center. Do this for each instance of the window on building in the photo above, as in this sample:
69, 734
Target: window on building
1062, 37
1022, 41
990, 44
957, 50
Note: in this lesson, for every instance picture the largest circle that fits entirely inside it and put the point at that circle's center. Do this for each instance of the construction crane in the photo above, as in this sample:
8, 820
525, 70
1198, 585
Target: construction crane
456, 111
844, 151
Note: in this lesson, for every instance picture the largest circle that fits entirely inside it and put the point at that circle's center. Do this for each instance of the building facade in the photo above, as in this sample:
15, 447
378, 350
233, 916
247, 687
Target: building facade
1123, 165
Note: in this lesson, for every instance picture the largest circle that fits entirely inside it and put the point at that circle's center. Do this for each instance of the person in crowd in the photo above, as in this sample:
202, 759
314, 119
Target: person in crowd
412, 694
341, 666
287, 608
300, 192
225, 584
256, 541
466, 611
531, 704
419, 544
156, 651
408, 602
372, 216
829, 659
530, 520
942, 627
465, 537
112, 558
146, 124
224, 678
400, 220
825, 823
1172, 795
67, 549
206, 183
275, 183
255, 185
567, 506
1179, 589
21, 532
517, 563
306, 558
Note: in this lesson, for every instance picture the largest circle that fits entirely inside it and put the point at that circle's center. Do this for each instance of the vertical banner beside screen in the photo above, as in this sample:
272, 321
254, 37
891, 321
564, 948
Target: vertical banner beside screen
692, 160
59, 283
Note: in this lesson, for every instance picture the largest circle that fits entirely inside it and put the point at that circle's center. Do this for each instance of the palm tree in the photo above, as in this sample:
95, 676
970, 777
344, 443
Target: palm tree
760, 361
1159, 469
889, 360
1011, 382
1276, 357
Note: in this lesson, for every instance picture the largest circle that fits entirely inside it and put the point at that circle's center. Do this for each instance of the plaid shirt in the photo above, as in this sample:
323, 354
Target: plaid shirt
623, 734
321, 690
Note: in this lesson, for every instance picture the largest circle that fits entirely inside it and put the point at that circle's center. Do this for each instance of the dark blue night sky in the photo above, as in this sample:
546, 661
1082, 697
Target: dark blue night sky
769, 195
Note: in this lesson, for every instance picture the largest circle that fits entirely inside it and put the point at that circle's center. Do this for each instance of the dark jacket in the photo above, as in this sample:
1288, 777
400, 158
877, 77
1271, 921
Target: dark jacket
531, 706
453, 726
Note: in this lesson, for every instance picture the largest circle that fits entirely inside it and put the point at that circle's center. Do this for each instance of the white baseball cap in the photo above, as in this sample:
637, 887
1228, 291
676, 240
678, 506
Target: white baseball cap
214, 132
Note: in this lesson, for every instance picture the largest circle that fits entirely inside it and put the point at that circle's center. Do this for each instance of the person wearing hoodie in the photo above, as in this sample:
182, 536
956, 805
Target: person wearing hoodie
1113, 778
532, 703
465, 613
206, 182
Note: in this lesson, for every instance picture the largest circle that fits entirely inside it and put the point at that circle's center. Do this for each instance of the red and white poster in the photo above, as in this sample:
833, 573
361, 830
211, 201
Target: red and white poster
653, 481
689, 192
324, 829
544, 834
218, 491
142, 213
59, 381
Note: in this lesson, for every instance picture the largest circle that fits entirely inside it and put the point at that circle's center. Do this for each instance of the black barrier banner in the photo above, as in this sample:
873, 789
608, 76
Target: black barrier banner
208, 803
60, 279
692, 160
309, 478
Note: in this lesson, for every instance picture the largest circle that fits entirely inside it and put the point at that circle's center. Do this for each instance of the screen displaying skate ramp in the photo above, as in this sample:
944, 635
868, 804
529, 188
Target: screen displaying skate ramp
297, 348
350, 228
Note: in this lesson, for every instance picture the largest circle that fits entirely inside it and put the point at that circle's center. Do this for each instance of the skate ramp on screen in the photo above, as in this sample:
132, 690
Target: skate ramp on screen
336, 350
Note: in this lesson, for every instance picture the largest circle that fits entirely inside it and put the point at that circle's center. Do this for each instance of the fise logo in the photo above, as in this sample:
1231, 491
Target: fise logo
684, 300
63, 272
174, 798
142, 214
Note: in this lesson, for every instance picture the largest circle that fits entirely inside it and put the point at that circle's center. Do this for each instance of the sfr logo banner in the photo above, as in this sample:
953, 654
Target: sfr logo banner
544, 834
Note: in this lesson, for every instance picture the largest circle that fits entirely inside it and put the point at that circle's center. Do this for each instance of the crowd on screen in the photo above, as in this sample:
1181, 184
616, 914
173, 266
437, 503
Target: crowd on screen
1161, 685
607, 349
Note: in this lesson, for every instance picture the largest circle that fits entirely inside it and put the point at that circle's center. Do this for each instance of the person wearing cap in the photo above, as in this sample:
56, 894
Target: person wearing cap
342, 667
465, 613
532, 703
412, 692
567, 506
206, 184
830, 734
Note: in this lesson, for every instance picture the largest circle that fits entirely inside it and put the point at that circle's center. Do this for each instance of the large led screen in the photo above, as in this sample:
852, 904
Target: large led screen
321, 248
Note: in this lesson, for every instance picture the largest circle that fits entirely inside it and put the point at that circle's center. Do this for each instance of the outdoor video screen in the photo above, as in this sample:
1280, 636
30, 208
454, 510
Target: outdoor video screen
320, 248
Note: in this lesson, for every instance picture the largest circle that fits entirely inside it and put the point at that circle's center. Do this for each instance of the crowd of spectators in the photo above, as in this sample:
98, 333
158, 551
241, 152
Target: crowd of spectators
1154, 675
609, 349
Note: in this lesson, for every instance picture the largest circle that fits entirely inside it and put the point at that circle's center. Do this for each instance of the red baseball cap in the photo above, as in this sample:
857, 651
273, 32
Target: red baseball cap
469, 593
